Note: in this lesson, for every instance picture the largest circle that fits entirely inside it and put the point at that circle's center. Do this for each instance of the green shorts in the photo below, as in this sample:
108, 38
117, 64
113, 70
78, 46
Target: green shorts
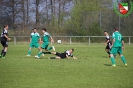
32, 45
116, 50
45, 45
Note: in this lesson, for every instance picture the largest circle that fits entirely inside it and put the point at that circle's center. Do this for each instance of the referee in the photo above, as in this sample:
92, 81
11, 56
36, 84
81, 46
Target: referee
4, 41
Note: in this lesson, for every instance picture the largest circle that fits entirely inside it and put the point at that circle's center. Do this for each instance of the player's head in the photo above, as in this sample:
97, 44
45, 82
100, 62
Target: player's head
44, 30
72, 50
105, 33
116, 29
6, 26
34, 30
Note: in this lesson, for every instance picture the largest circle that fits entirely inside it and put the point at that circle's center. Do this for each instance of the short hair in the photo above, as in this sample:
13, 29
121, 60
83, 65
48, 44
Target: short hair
44, 29
5, 25
105, 31
33, 28
116, 28
72, 49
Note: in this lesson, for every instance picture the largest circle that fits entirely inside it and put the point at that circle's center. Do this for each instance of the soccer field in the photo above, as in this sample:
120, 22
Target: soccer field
92, 69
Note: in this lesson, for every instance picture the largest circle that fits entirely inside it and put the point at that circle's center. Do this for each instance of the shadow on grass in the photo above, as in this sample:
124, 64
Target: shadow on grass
107, 64
105, 57
111, 65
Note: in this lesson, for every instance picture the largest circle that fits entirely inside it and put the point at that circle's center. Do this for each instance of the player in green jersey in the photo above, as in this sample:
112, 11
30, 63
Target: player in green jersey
117, 46
34, 41
45, 44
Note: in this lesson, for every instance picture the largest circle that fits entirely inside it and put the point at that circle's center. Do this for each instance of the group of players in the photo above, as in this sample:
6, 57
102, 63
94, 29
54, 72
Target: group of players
112, 48
36, 39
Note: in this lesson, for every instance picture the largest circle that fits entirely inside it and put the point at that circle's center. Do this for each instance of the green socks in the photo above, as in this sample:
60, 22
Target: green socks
123, 59
39, 54
29, 52
49, 48
112, 60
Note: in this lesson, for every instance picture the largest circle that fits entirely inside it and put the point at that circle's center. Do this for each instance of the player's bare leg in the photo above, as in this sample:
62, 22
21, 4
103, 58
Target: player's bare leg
58, 57
3, 52
53, 53
108, 51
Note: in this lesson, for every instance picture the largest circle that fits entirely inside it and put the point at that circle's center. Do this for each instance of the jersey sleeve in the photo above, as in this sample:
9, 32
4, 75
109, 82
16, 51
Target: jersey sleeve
113, 36
31, 35
71, 55
107, 38
39, 36
5, 32
49, 34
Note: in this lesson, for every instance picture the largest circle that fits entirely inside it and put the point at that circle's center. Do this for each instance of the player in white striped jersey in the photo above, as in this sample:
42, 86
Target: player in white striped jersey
66, 54
107, 43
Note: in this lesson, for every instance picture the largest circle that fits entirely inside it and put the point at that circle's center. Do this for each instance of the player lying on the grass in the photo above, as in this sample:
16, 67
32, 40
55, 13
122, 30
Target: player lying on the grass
45, 44
117, 46
34, 41
4, 41
66, 54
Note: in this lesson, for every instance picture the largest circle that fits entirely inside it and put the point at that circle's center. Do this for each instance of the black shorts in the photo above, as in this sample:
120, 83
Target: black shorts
61, 55
108, 47
4, 42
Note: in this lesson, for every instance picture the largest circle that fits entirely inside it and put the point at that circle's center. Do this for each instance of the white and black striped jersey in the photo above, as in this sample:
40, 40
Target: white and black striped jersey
4, 32
107, 38
68, 53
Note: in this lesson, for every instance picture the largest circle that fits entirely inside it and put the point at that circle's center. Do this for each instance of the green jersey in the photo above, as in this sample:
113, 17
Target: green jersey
117, 39
35, 37
46, 37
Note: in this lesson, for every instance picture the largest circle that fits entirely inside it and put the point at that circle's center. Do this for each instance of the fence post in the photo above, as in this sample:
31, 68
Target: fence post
14, 39
89, 40
70, 40
129, 40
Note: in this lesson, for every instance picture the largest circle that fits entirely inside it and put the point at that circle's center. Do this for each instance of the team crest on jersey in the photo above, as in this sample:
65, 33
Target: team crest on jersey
122, 9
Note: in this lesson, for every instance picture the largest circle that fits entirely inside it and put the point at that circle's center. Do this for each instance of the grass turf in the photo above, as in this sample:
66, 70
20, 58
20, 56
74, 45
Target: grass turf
92, 69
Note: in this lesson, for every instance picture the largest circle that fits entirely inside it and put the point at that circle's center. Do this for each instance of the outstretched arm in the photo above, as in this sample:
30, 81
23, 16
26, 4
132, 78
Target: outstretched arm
51, 39
74, 57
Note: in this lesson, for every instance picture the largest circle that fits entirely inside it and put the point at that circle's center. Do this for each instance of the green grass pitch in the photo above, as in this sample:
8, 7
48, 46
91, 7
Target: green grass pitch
92, 69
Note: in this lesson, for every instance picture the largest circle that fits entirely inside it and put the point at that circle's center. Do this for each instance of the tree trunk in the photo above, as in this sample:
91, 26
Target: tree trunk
47, 21
13, 14
27, 20
37, 13
59, 13
23, 11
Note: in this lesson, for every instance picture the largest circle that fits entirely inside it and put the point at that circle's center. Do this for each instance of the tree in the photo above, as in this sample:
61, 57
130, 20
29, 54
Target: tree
81, 14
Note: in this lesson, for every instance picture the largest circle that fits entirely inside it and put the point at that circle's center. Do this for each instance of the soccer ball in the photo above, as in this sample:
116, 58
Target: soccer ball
59, 41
